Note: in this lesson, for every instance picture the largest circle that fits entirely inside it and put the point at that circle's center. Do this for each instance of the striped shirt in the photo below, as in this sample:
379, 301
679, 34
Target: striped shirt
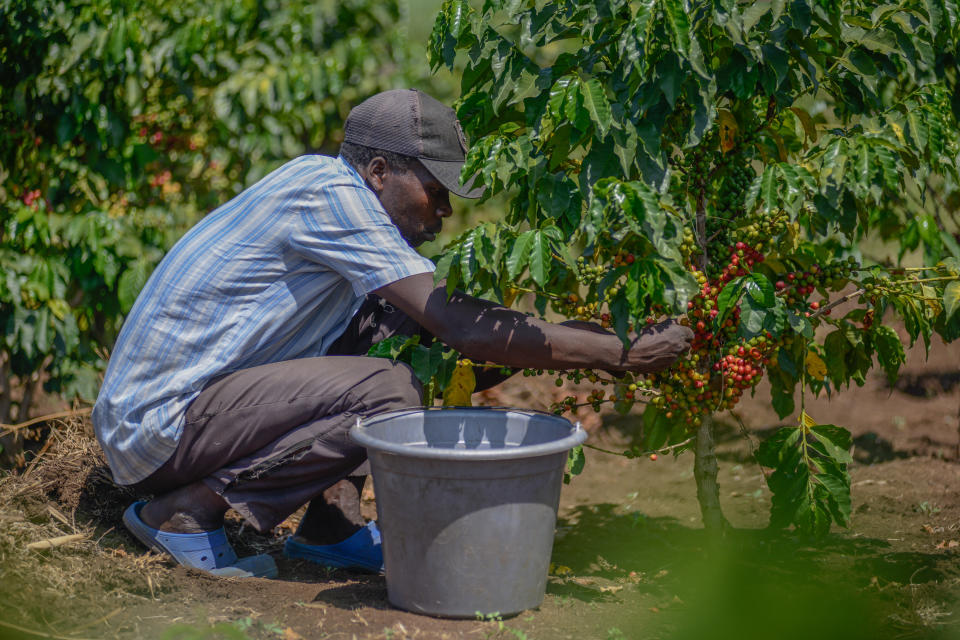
274, 274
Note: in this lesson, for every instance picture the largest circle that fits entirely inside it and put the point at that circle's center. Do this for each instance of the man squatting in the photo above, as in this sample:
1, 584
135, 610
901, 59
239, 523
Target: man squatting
240, 368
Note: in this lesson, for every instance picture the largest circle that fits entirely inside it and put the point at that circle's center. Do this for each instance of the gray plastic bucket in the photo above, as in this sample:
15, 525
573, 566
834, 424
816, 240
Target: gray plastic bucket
467, 504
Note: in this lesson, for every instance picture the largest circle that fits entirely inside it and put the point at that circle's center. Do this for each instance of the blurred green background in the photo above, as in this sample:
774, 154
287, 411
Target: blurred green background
125, 122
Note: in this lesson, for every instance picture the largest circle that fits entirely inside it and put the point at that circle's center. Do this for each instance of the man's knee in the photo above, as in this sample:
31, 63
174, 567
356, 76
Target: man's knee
390, 385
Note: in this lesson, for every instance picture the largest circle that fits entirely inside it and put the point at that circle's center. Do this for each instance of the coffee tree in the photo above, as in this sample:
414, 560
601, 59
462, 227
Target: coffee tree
124, 122
720, 163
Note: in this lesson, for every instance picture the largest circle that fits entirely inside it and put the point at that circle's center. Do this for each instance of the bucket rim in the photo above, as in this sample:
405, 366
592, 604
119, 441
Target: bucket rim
359, 435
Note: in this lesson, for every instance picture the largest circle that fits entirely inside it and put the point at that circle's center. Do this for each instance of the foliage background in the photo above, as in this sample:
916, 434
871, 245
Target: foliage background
124, 122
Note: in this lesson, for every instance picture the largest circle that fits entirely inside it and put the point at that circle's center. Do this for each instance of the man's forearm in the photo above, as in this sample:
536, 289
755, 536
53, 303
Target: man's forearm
486, 331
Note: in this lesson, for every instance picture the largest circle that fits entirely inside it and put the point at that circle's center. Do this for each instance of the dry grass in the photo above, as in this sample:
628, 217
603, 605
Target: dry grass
67, 490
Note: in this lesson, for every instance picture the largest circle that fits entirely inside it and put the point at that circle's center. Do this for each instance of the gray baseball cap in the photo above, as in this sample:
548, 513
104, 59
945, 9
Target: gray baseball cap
411, 123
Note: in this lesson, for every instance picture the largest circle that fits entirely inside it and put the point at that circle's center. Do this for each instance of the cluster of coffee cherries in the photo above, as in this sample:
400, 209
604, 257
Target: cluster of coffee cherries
761, 227
721, 366
742, 366
579, 309
740, 259
692, 388
590, 274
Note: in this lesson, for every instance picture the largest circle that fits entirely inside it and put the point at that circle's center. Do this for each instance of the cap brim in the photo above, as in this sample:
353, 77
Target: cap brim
448, 173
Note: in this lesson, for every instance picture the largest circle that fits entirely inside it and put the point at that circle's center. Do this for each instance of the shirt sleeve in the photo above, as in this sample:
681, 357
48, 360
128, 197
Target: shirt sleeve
344, 227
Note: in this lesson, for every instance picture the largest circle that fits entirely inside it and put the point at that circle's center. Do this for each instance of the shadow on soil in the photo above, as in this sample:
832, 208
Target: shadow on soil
752, 583
927, 383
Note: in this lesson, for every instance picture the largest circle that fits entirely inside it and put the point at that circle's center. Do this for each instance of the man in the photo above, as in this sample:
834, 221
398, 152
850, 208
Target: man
222, 391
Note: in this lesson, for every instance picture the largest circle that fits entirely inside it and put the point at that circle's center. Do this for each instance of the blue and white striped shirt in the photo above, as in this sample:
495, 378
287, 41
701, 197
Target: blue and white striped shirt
274, 274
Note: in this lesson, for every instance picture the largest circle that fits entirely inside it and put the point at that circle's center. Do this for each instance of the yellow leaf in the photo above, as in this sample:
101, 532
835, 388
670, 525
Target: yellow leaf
59, 308
728, 129
559, 570
461, 386
793, 235
898, 130
509, 295
807, 421
816, 367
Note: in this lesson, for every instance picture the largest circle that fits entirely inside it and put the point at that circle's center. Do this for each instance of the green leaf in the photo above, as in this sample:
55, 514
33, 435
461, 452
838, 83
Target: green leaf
426, 362
753, 13
799, 324
728, 298
397, 347
760, 289
680, 285
575, 463
520, 254
890, 353
132, 280
540, 258
861, 62
679, 25
836, 440
444, 263
656, 428
774, 449
835, 348
951, 298
596, 102
768, 188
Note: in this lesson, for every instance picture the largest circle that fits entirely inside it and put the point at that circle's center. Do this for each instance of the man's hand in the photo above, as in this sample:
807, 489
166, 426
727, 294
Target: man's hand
657, 347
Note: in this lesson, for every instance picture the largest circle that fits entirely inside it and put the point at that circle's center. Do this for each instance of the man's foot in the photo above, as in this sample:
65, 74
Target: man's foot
333, 533
207, 550
334, 516
195, 508
361, 551
187, 524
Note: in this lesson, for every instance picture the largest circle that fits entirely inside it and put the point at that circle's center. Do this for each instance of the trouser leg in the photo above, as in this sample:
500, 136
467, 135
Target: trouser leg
271, 438
335, 514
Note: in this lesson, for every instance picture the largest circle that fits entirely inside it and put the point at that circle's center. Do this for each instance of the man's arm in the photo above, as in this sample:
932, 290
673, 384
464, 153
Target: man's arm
482, 330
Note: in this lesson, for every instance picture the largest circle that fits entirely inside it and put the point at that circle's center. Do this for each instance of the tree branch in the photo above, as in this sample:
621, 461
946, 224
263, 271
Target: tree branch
12, 428
29, 388
819, 312
5, 400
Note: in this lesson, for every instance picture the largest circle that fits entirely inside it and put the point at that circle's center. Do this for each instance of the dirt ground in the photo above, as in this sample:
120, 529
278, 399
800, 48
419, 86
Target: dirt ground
629, 559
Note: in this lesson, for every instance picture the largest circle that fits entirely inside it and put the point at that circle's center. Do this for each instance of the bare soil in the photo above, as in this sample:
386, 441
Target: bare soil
630, 557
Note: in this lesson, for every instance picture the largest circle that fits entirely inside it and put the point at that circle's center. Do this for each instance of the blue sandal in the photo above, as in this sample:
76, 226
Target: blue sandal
209, 551
362, 550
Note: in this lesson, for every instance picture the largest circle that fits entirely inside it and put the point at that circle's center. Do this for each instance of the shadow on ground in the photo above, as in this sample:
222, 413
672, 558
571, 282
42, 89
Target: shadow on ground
752, 583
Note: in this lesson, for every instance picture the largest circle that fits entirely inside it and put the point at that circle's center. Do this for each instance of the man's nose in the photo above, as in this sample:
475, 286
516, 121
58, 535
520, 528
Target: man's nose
444, 210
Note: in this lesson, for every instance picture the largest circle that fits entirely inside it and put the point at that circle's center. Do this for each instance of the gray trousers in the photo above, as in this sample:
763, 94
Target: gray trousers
271, 438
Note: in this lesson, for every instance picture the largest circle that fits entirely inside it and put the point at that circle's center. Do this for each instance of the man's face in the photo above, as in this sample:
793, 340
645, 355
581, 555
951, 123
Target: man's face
416, 202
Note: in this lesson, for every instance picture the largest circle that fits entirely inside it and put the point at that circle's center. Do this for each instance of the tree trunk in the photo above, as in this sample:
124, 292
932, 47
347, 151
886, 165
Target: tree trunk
29, 388
11, 445
5, 400
705, 473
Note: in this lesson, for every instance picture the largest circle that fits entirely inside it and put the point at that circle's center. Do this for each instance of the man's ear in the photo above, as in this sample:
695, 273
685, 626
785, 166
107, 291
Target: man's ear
376, 172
